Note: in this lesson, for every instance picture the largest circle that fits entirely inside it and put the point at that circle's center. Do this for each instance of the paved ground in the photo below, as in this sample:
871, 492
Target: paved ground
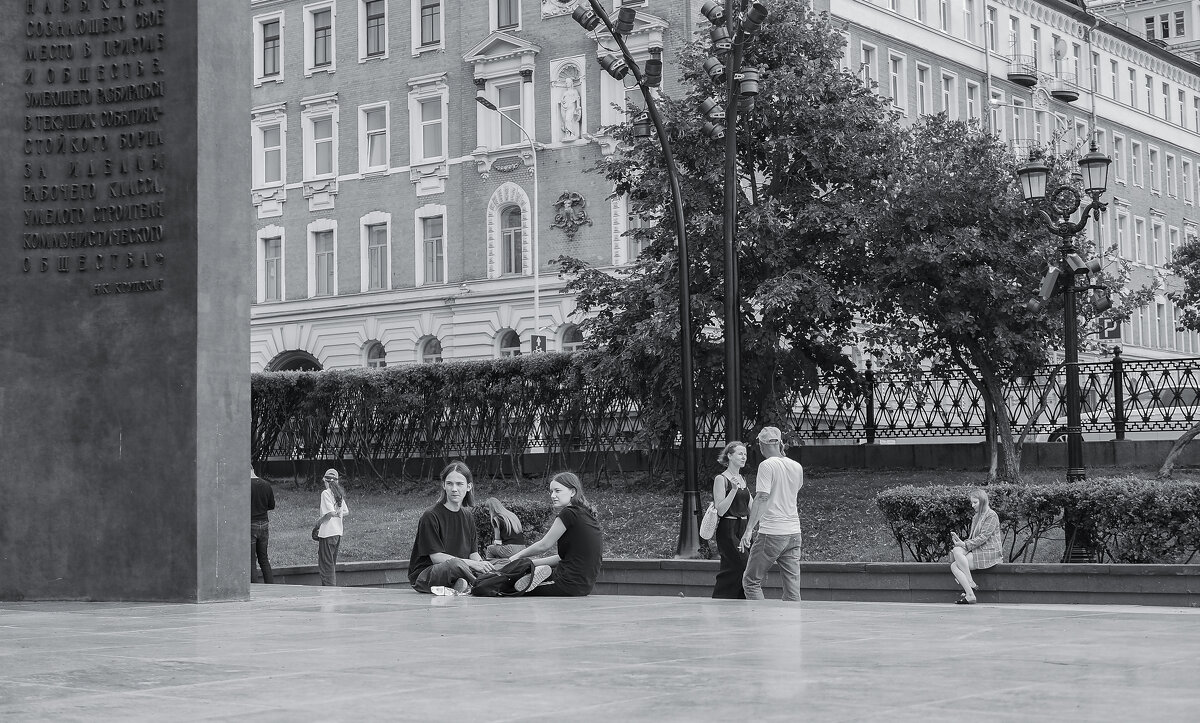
294, 653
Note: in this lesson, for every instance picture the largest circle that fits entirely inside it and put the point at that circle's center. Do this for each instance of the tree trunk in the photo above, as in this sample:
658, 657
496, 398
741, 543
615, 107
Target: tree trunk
1009, 457
989, 431
1164, 472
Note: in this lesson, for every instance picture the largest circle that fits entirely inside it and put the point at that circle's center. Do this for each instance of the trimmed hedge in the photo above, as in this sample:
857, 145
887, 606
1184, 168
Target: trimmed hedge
1130, 520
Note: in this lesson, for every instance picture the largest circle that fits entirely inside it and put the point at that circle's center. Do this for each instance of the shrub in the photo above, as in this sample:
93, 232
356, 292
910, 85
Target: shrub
1128, 519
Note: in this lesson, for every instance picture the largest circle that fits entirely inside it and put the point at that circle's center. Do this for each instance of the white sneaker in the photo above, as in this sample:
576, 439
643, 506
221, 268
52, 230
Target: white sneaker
533, 579
442, 590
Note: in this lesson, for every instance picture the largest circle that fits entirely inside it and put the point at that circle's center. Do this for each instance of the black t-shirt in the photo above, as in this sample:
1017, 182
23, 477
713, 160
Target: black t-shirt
441, 530
262, 498
579, 549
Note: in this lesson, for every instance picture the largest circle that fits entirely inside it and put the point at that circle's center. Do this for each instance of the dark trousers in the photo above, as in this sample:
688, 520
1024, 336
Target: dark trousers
327, 549
733, 561
260, 535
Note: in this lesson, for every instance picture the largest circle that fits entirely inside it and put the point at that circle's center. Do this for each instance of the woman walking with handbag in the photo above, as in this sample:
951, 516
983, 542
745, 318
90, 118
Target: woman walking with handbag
732, 500
329, 527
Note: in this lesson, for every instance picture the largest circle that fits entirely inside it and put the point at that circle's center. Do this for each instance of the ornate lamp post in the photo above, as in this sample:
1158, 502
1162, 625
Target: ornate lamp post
589, 19
1055, 215
731, 28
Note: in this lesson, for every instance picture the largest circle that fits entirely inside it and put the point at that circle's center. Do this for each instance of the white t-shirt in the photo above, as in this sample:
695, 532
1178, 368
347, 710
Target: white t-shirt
784, 477
333, 525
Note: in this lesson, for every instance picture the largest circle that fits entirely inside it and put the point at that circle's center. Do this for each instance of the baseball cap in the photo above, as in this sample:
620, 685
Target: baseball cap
770, 435
331, 473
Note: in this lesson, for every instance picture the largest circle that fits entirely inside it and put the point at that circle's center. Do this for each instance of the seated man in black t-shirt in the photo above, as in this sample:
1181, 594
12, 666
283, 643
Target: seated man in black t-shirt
445, 554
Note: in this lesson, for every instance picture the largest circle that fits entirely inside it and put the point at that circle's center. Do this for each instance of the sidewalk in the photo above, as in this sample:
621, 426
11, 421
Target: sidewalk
295, 652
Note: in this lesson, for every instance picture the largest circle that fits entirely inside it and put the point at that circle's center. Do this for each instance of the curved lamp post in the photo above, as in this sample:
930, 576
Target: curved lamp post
689, 537
1055, 215
483, 100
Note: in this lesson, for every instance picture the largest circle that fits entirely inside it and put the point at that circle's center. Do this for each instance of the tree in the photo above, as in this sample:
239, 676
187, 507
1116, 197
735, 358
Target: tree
954, 255
813, 152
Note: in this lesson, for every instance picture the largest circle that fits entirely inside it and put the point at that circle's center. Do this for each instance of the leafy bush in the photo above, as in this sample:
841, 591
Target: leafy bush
1128, 519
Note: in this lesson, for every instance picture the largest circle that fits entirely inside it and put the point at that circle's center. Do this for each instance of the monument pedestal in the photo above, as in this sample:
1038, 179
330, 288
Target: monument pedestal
125, 282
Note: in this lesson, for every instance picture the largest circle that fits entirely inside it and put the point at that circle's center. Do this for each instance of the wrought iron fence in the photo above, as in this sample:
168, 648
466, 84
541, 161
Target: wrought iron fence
1118, 396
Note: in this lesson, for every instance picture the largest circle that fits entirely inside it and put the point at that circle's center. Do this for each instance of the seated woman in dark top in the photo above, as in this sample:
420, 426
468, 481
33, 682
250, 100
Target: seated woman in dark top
508, 535
569, 554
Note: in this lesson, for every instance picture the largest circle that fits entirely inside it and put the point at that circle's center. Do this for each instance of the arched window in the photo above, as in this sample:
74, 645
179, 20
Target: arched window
294, 361
572, 339
510, 240
510, 344
431, 351
376, 356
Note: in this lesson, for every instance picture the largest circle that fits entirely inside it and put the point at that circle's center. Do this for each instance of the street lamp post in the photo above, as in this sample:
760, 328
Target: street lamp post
1056, 217
689, 523
484, 101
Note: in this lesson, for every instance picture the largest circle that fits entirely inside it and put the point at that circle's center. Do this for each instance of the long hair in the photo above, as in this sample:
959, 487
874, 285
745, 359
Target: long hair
335, 488
984, 506
723, 457
570, 480
462, 468
504, 518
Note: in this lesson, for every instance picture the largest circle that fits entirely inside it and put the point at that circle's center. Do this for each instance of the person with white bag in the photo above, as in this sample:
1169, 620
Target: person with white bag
732, 500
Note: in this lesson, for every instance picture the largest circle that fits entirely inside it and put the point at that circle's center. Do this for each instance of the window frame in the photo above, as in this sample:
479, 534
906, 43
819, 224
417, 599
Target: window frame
494, 16
506, 351
949, 95
262, 237
420, 254
366, 224
310, 12
425, 355
310, 116
314, 229
364, 32
419, 46
512, 240
260, 21
365, 135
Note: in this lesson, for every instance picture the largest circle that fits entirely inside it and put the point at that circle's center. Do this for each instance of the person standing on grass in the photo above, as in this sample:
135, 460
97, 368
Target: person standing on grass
732, 499
329, 536
982, 548
570, 552
777, 486
445, 554
262, 500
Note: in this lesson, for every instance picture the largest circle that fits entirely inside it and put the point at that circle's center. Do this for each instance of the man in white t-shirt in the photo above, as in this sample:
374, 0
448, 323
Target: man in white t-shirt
776, 487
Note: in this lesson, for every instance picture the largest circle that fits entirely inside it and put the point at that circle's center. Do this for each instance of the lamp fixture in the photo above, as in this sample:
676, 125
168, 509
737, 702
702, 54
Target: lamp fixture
587, 19
714, 11
614, 66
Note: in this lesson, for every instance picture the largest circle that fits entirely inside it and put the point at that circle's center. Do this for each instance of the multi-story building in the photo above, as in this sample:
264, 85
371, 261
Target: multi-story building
1172, 23
400, 221
1050, 72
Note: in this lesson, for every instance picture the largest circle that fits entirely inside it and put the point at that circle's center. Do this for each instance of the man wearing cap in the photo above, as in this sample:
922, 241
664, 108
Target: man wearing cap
262, 499
777, 485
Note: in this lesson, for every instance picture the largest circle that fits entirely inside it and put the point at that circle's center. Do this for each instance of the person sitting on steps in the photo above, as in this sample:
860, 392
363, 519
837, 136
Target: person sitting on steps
981, 549
445, 554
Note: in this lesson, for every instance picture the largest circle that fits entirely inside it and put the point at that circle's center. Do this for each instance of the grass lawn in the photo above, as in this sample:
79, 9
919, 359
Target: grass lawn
639, 518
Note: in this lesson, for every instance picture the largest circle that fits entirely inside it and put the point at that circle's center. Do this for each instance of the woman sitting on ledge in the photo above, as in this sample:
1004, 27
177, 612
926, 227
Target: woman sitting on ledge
508, 536
573, 542
980, 550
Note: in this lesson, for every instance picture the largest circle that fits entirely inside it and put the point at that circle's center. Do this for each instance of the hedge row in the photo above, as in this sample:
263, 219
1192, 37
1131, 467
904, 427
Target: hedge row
1129, 520
439, 411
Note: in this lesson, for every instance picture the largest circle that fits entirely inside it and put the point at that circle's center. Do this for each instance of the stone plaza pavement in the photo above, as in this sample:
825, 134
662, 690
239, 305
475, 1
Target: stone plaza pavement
307, 653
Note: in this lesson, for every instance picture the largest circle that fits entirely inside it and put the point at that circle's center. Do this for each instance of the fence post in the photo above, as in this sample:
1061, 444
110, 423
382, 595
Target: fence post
869, 378
1118, 384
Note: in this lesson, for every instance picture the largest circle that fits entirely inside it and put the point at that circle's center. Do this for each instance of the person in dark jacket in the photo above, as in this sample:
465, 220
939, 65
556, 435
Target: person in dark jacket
262, 500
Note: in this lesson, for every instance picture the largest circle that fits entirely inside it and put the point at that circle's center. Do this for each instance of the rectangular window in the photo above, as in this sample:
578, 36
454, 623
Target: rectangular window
431, 22
1185, 171
322, 38
323, 243
1135, 163
1133, 88
376, 27
1157, 252
1014, 35
1018, 119
1114, 83
375, 137
950, 96
923, 91
1152, 165
995, 124
1149, 85
434, 249
1035, 44
969, 20
272, 149
944, 15
972, 100
991, 29
1123, 236
508, 13
1179, 25
1160, 326
272, 266
1164, 25
1181, 108
377, 271
431, 128
1172, 189
894, 5
1166, 102
1139, 240
922, 17
509, 102
867, 66
896, 84
1118, 156
270, 48
1172, 244
1196, 113
1150, 28
322, 130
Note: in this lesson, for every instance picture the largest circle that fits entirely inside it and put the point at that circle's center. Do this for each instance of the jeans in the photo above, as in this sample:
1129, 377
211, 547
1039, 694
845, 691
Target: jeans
260, 535
327, 549
500, 552
443, 573
783, 550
